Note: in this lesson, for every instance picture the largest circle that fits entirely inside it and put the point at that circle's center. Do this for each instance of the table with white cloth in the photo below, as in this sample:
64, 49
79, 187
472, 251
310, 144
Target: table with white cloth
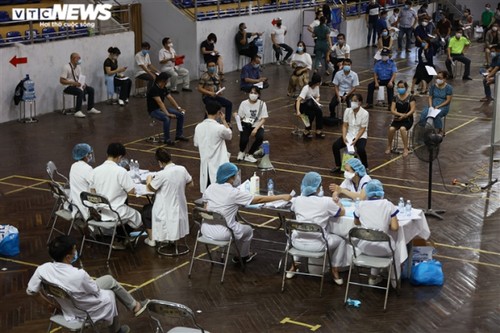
409, 228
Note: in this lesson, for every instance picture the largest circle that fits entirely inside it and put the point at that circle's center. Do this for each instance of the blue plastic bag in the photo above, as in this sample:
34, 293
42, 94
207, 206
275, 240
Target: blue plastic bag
427, 273
9, 245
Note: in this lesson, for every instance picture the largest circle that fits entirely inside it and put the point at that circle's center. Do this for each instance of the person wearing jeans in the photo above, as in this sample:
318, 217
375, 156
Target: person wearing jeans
407, 21
158, 110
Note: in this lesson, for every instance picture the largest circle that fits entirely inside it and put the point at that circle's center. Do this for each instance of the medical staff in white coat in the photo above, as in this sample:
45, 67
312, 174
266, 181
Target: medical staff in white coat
210, 138
355, 180
80, 175
170, 220
380, 214
225, 198
311, 208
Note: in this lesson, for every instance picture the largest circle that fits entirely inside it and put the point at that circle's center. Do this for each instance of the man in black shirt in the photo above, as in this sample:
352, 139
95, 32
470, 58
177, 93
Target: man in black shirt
158, 110
244, 46
210, 54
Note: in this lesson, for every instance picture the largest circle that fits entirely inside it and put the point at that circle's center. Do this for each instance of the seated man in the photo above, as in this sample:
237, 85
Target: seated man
209, 85
80, 175
145, 69
278, 38
384, 74
491, 39
344, 85
71, 77
97, 297
224, 197
158, 110
250, 75
457, 46
489, 75
244, 46
168, 59
337, 54
112, 181
210, 54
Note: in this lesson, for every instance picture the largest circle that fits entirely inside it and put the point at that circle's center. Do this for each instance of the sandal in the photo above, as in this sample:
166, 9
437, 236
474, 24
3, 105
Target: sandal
320, 135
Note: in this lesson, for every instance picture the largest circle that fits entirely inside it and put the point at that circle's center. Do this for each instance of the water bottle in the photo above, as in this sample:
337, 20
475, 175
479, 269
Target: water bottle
401, 205
270, 187
29, 89
260, 45
356, 203
321, 192
408, 208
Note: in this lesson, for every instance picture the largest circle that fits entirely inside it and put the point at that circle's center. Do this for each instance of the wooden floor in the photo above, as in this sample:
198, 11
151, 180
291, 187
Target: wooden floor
251, 301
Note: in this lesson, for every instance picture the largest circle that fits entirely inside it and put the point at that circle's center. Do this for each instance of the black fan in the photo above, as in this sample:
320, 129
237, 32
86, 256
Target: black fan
426, 141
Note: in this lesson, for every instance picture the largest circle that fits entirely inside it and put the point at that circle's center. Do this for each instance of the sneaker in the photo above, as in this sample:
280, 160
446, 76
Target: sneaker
187, 89
150, 242
250, 158
126, 101
486, 99
181, 138
144, 305
374, 281
94, 111
278, 63
169, 143
80, 114
258, 153
241, 156
250, 257
466, 78
338, 281
121, 102
291, 274
124, 329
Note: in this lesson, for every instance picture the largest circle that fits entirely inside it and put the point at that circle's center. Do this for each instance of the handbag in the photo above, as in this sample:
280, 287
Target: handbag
9, 243
427, 273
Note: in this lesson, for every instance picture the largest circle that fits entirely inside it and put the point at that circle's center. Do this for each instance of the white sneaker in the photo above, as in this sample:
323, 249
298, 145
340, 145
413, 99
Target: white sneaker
250, 158
241, 156
121, 102
374, 281
126, 101
291, 274
150, 242
79, 114
94, 111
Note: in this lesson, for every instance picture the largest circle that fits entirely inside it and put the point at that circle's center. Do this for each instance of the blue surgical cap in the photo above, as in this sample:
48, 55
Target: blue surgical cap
357, 166
374, 189
81, 150
310, 183
226, 171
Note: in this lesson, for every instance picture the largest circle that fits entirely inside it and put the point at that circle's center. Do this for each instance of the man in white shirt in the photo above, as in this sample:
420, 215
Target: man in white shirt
97, 297
80, 175
344, 85
210, 138
278, 38
338, 53
168, 59
145, 70
72, 77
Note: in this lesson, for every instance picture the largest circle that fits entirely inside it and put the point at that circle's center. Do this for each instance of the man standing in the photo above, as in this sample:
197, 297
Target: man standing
158, 110
168, 60
344, 85
457, 47
384, 74
210, 138
97, 297
250, 75
244, 46
407, 21
72, 77
145, 70
487, 18
210, 85
278, 38
80, 175
372, 13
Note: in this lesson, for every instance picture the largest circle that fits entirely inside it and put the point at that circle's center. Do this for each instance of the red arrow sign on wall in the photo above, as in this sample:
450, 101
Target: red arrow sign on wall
15, 60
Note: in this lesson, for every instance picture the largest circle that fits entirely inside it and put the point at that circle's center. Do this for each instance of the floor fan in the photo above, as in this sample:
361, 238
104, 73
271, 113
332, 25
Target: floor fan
426, 142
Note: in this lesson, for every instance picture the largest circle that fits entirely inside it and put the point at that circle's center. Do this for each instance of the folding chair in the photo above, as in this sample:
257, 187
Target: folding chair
369, 261
95, 202
173, 310
52, 172
65, 210
54, 292
201, 216
305, 227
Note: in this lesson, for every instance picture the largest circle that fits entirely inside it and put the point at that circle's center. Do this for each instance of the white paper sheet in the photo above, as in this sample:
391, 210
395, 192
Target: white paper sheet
380, 93
431, 70
220, 90
81, 80
238, 123
259, 85
433, 112
377, 55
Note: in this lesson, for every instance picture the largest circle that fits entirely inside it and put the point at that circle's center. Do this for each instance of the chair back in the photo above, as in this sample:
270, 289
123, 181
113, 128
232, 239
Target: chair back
201, 215
369, 235
56, 292
52, 172
173, 310
308, 227
95, 201
58, 191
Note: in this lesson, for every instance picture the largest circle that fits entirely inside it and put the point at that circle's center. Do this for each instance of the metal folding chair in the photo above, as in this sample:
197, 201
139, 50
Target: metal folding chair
56, 177
172, 310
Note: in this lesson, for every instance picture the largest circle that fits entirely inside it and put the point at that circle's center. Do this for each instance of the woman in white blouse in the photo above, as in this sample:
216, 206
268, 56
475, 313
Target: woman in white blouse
308, 104
302, 64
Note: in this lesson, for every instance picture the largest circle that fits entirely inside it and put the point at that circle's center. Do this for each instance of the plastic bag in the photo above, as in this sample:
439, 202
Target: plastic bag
427, 273
9, 240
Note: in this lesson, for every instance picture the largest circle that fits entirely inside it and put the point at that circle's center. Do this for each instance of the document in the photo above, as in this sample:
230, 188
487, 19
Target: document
433, 112
430, 70
259, 85
377, 55
81, 80
238, 123
305, 120
220, 90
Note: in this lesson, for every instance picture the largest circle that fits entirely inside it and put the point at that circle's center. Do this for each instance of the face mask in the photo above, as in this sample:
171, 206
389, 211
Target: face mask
300, 49
425, 24
144, 52
424, 44
487, 8
354, 105
170, 44
341, 42
439, 81
347, 68
385, 58
349, 175
407, 7
494, 28
75, 257
256, 66
244, 29
253, 97
79, 62
237, 180
493, 54
211, 70
396, 16
401, 91
458, 36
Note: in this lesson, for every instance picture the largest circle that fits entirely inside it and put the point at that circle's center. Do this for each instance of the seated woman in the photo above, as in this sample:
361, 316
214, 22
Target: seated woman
210, 54
354, 183
253, 115
384, 41
440, 95
380, 214
302, 65
311, 208
114, 77
224, 197
402, 107
308, 103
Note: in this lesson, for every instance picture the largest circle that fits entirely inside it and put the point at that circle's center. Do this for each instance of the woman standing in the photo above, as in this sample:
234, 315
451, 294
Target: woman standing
323, 44
425, 58
302, 65
114, 77
308, 103
253, 115
402, 107
440, 95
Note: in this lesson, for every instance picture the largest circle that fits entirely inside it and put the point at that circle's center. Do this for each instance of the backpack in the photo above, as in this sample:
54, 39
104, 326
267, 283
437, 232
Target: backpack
19, 92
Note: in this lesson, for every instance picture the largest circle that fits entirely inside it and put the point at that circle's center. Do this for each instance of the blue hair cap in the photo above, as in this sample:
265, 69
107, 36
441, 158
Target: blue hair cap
310, 183
226, 171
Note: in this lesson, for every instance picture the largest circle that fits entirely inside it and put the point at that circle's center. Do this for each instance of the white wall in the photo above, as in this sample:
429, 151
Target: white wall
45, 62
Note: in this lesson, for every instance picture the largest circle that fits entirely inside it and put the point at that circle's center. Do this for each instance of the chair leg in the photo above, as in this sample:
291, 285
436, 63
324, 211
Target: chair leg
284, 271
387, 287
323, 273
193, 257
225, 262
348, 282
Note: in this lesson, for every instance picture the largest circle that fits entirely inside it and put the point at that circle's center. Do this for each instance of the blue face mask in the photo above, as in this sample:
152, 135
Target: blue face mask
256, 66
346, 68
300, 49
424, 44
79, 62
75, 257
493, 54
385, 33
211, 70
401, 91
144, 52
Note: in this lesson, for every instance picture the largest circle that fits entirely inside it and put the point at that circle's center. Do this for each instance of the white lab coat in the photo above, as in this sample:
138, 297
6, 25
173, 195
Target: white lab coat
210, 138
170, 215
80, 176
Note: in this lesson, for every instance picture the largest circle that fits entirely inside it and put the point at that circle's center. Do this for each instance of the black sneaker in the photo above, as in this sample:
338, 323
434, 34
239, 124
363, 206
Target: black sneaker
187, 89
182, 138
247, 259
466, 78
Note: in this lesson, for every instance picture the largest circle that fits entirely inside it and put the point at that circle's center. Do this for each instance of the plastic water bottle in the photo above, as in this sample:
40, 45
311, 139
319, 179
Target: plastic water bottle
356, 203
29, 89
260, 45
270, 187
408, 208
401, 205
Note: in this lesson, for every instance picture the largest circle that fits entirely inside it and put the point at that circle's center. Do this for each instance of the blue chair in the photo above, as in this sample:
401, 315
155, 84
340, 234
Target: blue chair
49, 33
65, 32
5, 2
28, 34
187, 4
20, 2
81, 31
4, 16
14, 37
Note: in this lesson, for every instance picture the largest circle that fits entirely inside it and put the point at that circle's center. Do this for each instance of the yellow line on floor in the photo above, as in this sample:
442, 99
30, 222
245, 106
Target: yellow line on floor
458, 247
5, 178
25, 187
467, 260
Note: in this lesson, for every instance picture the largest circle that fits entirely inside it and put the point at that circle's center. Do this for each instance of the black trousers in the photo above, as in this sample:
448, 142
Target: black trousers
80, 94
245, 138
360, 150
312, 111
333, 105
371, 90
